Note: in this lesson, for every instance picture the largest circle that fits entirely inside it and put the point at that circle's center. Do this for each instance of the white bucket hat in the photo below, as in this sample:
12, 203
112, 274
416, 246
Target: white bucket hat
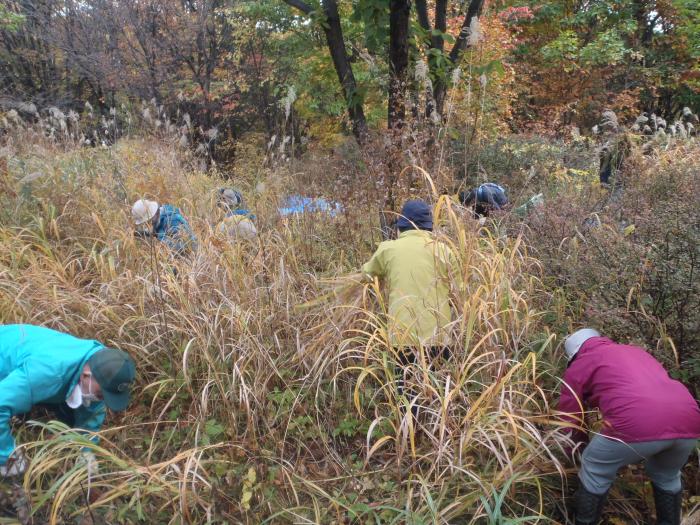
574, 342
143, 211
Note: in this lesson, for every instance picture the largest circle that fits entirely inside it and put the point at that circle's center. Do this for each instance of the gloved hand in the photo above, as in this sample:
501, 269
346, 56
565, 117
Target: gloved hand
88, 460
16, 465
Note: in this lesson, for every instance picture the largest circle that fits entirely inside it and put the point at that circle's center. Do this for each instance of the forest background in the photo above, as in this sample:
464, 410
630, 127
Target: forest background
266, 389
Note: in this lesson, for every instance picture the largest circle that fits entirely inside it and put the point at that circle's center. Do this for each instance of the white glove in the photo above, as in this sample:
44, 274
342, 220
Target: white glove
89, 461
16, 465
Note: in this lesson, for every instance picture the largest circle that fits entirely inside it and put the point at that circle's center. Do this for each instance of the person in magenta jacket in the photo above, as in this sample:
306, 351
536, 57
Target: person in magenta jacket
647, 416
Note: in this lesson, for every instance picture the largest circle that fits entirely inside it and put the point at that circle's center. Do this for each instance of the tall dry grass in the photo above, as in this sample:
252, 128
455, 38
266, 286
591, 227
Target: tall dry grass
266, 386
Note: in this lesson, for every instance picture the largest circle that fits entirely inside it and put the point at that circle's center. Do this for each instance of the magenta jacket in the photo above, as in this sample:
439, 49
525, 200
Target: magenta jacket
636, 397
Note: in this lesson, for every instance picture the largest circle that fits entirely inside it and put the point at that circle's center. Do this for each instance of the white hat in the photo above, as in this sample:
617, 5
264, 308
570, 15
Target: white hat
143, 210
574, 342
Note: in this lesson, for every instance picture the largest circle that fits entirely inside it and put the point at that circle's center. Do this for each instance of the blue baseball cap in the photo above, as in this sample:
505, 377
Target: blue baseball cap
415, 214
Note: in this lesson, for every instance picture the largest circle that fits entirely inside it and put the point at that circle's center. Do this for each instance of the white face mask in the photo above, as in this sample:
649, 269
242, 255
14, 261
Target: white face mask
79, 398
88, 397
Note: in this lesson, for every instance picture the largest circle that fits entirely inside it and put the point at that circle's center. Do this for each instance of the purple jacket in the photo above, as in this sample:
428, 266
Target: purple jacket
638, 400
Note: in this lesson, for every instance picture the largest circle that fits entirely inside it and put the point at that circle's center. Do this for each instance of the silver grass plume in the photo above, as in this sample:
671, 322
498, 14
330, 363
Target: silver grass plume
56, 113
212, 134
421, 71
288, 101
27, 107
456, 75
474, 34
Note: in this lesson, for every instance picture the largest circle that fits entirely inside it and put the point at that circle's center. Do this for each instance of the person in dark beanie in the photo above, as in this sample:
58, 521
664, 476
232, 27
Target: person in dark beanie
417, 270
75, 378
484, 199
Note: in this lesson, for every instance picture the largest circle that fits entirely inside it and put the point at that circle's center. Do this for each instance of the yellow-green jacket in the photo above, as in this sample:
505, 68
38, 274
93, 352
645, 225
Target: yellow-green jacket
417, 270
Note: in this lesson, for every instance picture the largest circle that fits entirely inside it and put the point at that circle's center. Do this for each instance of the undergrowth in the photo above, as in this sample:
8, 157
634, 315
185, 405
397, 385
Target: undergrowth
267, 389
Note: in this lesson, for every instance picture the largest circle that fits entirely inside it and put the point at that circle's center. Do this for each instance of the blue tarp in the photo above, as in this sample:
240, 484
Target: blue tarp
297, 204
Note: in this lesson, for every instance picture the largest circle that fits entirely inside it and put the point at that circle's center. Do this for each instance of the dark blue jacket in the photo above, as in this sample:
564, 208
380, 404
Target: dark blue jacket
491, 194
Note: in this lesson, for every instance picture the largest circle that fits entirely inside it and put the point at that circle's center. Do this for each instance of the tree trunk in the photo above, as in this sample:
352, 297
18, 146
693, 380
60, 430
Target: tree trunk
399, 15
341, 62
336, 46
457, 51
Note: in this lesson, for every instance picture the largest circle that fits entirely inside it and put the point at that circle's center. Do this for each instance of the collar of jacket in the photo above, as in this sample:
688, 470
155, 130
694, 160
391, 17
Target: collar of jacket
163, 212
415, 233
247, 213
591, 343
167, 213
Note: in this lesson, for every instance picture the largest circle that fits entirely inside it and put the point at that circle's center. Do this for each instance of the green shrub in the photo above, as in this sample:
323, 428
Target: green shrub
636, 276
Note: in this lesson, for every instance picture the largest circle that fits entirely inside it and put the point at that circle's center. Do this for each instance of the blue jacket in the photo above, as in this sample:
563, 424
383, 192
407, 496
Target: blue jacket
241, 211
491, 194
174, 230
40, 365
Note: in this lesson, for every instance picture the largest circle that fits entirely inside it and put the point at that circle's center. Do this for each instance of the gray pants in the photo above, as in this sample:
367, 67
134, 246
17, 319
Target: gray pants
663, 461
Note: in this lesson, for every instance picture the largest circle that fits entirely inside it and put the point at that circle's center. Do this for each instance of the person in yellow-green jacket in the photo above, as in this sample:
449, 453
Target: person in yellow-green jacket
417, 270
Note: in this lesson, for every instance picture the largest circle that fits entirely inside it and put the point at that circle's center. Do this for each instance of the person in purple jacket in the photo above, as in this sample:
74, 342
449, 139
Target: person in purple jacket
647, 416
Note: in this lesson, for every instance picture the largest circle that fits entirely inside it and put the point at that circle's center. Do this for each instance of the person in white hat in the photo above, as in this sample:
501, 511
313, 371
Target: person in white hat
647, 417
166, 224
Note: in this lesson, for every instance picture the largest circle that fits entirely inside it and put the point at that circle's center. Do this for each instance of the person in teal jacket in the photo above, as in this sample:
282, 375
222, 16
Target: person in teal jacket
75, 377
167, 225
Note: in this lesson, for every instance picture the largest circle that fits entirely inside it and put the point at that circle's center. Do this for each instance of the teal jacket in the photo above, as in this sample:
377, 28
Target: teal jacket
40, 365
174, 230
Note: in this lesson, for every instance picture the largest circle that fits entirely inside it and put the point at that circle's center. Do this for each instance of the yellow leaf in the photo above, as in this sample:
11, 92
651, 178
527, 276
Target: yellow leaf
252, 477
245, 499
378, 445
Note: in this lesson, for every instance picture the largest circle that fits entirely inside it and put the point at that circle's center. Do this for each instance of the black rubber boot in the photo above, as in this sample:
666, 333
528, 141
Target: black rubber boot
668, 506
589, 507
